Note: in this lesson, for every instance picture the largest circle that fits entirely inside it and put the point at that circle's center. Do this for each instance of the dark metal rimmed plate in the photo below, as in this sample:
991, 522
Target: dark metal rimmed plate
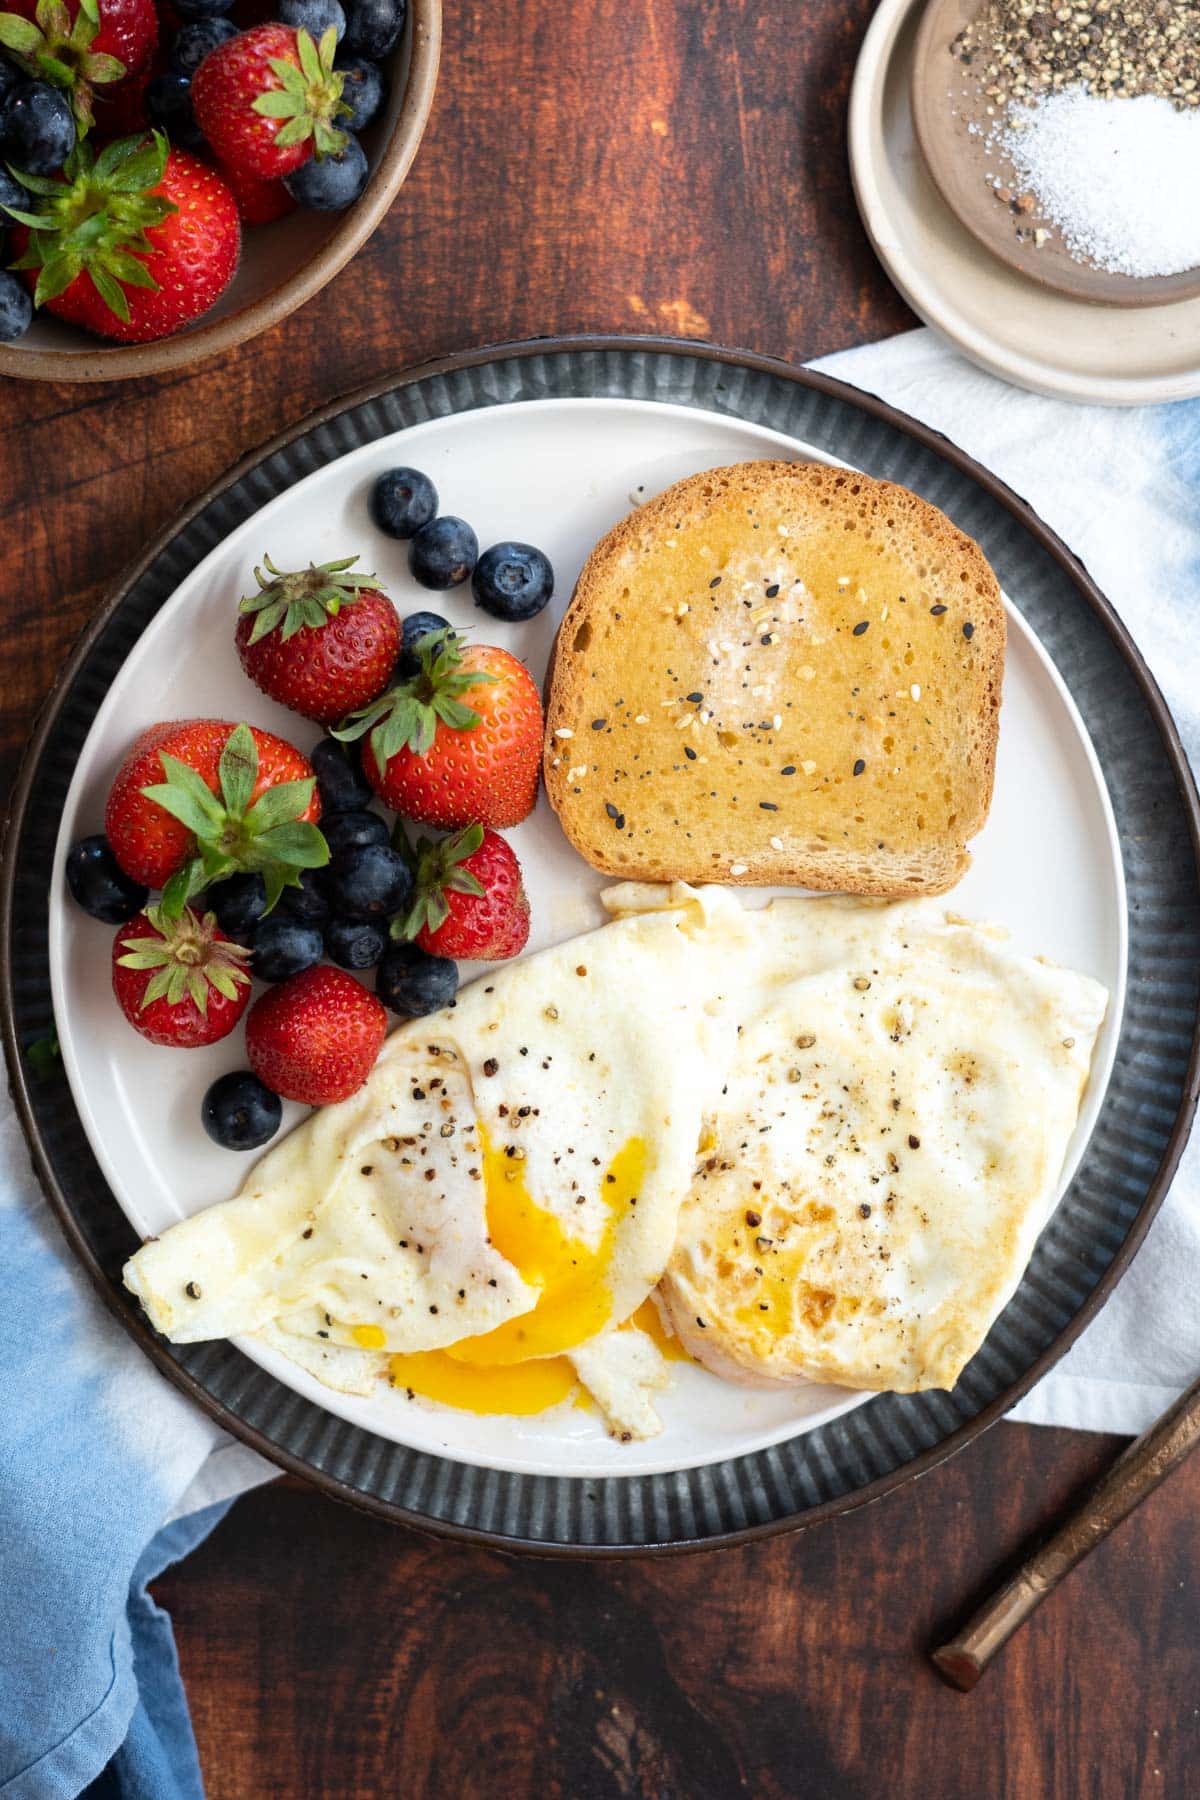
1133, 1152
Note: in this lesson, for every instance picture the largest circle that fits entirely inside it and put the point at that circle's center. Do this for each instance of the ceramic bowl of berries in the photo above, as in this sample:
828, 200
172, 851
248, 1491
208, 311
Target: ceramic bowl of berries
177, 176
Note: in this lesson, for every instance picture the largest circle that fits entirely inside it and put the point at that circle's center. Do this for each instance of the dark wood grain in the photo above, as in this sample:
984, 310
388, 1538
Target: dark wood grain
673, 165
329, 1655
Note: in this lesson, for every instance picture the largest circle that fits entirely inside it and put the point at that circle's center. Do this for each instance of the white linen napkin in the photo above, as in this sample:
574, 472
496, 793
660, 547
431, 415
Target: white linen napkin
1122, 487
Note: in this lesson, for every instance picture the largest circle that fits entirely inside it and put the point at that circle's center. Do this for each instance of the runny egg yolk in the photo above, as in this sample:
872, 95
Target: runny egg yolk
575, 1301
517, 1368
521, 1388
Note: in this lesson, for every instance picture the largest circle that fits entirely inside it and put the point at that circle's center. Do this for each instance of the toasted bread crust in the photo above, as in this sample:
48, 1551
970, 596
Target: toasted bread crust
645, 619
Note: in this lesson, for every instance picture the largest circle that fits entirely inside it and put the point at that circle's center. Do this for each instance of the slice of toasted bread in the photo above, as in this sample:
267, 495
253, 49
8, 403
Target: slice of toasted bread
779, 673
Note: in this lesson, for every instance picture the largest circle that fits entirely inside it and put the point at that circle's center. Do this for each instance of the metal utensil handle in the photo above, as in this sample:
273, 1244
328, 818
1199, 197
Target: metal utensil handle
1134, 1475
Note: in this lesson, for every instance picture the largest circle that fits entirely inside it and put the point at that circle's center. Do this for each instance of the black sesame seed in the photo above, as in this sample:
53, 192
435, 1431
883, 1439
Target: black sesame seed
790, 769
612, 811
192, 1290
861, 627
599, 724
937, 611
772, 590
864, 1210
768, 806
491, 1066
619, 822
765, 638
859, 766
968, 629
695, 699
715, 582
689, 753
914, 1143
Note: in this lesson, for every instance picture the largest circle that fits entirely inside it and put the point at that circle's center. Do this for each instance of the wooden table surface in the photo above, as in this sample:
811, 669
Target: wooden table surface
679, 166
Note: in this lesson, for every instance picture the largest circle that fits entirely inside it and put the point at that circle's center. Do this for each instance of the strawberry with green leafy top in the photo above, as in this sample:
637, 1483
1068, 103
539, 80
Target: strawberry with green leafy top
79, 45
469, 900
323, 641
458, 742
133, 243
269, 99
180, 982
200, 799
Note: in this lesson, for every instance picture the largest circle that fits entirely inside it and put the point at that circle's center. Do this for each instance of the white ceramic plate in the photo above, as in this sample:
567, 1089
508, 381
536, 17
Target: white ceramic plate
557, 473
1110, 355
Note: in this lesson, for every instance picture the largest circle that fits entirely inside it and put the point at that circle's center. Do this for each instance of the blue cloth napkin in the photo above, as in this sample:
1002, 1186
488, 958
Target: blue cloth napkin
108, 1475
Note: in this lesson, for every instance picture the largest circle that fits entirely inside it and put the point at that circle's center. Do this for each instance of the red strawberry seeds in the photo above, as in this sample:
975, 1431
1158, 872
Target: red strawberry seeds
315, 1037
323, 641
470, 900
139, 204
459, 743
269, 99
181, 983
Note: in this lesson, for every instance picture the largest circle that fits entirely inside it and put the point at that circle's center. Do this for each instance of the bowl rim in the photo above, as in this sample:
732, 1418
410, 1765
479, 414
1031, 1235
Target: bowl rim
129, 1316
185, 350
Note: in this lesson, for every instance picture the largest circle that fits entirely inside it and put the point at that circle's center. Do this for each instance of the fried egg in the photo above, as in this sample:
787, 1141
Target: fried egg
883, 1154
502, 1190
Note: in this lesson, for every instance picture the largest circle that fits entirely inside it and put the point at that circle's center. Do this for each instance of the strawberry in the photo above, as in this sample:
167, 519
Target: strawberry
322, 641
258, 201
267, 99
315, 1037
179, 982
200, 799
469, 899
436, 760
80, 45
132, 244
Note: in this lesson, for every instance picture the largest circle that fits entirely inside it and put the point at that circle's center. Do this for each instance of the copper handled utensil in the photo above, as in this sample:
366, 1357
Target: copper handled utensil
1132, 1478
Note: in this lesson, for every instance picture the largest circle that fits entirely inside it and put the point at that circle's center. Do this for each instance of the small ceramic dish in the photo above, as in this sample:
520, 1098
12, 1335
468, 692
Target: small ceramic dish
283, 264
950, 114
1015, 328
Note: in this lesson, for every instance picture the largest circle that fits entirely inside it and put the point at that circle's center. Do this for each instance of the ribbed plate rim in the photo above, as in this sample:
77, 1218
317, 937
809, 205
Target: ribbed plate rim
474, 360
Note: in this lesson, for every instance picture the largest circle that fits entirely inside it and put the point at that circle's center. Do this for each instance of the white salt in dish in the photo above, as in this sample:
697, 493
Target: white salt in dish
1118, 177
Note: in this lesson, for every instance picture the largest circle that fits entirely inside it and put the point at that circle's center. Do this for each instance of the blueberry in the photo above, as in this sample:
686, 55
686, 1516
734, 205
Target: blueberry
284, 947
10, 78
364, 91
416, 626
355, 943
11, 191
198, 40
16, 308
100, 885
442, 554
512, 581
373, 27
239, 1113
371, 883
330, 183
314, 16
239, 902
411, 981
353, 831
37, 128
338, 767
309, 901
402, 500
202, 9
168, 104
